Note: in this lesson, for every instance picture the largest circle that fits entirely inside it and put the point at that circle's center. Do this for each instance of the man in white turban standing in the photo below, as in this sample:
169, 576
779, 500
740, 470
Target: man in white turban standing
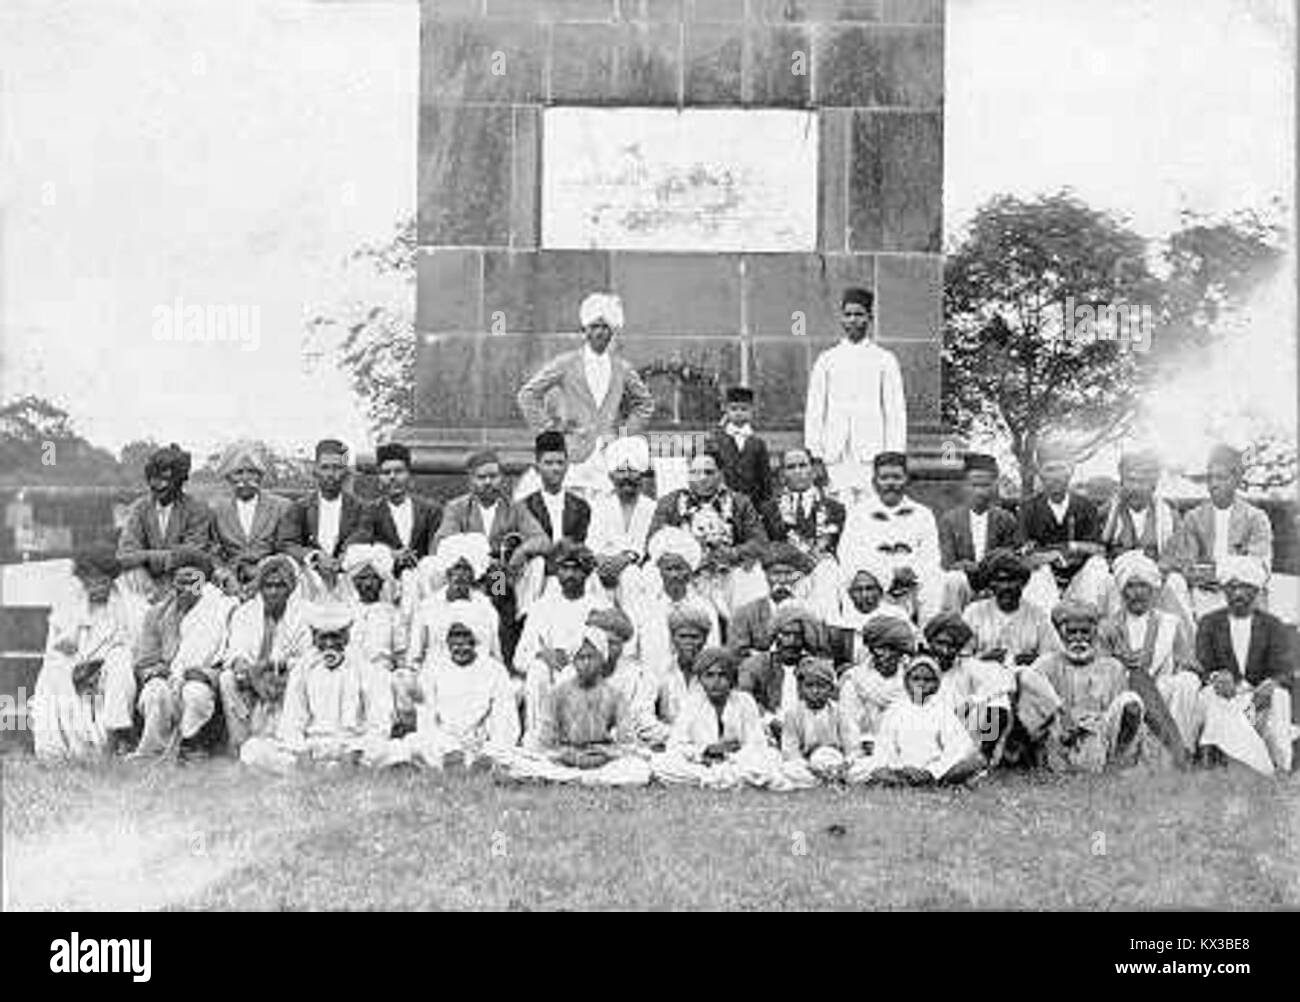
589, 394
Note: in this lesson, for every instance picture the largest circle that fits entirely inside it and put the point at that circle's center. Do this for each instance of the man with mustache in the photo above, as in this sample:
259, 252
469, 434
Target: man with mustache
244, 524
1099, 718
163, 521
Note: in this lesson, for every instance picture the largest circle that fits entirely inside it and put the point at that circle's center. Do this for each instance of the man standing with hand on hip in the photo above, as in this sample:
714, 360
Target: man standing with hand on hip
596, 394
856, 407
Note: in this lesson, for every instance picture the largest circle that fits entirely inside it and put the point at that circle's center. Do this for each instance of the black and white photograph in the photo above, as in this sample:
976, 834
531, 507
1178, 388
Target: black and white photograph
650, 455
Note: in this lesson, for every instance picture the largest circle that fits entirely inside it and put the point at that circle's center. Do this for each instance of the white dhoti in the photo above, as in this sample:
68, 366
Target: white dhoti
274, 755
173, 709
955, 591
1181, 692
522, 764
1092, 750
757, 766
825, 765
68, 724
1092, 583
1259, 739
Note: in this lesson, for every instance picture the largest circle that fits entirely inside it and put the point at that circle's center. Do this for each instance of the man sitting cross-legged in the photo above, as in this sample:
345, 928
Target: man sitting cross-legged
267, 636
979, 691
1099, 718
1248, 657
467, 709
718, 740
1157, 652
921, 741
325, 718
85, 691
870, 687
585, 730
820, 742
182, 638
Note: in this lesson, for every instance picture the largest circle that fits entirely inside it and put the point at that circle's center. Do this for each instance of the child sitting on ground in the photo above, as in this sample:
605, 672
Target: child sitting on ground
819, 740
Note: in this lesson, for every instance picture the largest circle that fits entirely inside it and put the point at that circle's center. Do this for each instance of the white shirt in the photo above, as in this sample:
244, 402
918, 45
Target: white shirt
1139, 520
1221, 517
404, 519
489, 517
555, 509
1240, 630
1137, 630
855, 404
1059, 509
598, 371
164, 513
327, 525
246, 510
979, 532
871, 525
609, 534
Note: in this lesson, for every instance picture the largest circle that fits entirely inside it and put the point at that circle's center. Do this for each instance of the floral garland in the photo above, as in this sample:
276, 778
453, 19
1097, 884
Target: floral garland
708, 521
682, 371
824, 532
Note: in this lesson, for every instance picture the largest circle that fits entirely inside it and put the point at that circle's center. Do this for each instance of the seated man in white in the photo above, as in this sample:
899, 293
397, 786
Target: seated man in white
620, 521
267, 636
379, 629
661, 691
1248, 658
467, 709
862, 600
176, 660
895, 529
1156, 649
1225, 525
666, 587
718, 741
820, 743
325, 718
585, 731
85, 691
555, 626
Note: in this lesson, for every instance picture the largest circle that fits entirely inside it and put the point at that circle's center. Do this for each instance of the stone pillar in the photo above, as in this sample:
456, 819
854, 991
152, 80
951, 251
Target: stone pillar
493, 304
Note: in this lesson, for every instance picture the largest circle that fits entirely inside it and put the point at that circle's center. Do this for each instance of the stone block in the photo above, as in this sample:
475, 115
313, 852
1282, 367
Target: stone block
778, 66
464, 174
920, 363
778, 371
525, 168
913, 11
554, 10
667, 293
447, 385
896, 182
909, 297
714, 63
833, 179
874, 66
633, 63
474, 61
448, 289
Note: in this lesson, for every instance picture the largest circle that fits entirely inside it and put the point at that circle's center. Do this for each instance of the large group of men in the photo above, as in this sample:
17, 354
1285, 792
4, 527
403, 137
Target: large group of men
780, 626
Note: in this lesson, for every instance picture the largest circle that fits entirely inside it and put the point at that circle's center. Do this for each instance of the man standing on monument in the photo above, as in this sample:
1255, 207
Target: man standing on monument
596, 393
855, 406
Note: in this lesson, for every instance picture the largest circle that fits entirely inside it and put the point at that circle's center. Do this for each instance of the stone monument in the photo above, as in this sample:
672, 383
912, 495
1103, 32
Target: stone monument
726, 166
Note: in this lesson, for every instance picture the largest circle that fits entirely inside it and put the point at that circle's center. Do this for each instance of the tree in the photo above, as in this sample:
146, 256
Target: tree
1015, 364
40, 445
1023, 360
378, 346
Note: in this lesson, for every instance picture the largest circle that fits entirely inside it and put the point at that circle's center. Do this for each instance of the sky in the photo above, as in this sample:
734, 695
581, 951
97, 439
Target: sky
236, 151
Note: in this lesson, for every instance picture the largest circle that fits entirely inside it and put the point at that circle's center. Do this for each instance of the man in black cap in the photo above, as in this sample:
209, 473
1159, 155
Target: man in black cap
746, 467
163, 521
561, 514
975, 527
316, 528
856, 407
404, 523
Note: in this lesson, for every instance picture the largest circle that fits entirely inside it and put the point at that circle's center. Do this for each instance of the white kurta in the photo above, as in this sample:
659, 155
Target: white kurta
467, 708
926, 736
65, 723
855, 409
697, 726
872, 532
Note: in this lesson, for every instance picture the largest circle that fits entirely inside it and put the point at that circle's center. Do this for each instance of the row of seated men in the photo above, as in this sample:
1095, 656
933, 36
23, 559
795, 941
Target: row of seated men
1081, 687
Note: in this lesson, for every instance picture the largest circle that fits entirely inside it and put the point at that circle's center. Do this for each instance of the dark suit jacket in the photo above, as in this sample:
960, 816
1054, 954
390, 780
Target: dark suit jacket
748, 471
1039, 526
190, 525
956, 543
231, 545
575, 520
376, 525
512, 518
296, 534
805, 525
746, 523
1269, 655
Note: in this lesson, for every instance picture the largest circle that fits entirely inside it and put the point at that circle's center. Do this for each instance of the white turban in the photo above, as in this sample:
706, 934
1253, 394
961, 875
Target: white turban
1246, 569
472, 547
241, 456
631, 451
328, 617
1134, 565
374, 555
675, 540
601, 306
597, 637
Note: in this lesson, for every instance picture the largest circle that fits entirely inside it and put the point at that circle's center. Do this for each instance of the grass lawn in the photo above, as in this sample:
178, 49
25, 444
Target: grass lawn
215, 836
